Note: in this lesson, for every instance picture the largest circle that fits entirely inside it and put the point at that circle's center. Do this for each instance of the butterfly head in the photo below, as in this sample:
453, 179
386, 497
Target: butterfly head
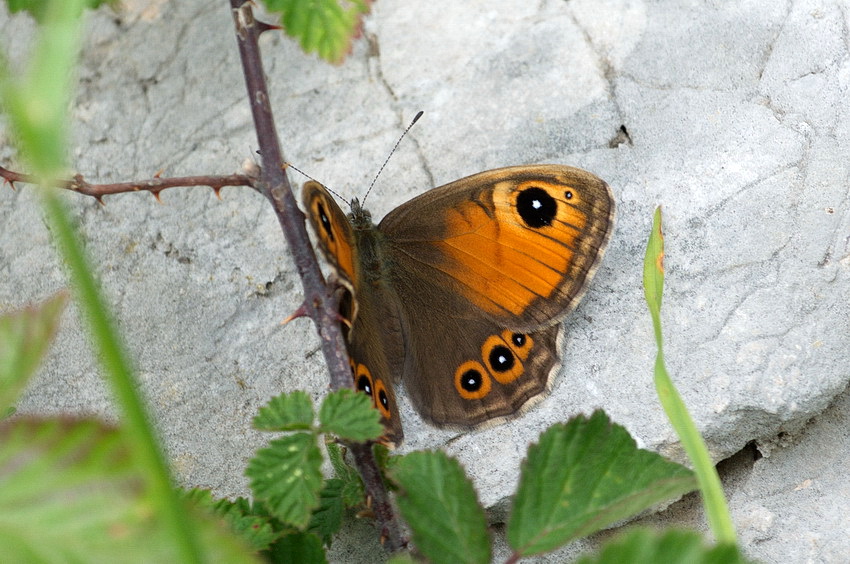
360, 217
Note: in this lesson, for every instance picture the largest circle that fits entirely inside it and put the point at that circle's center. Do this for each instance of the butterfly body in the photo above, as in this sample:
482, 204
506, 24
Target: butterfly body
458, 292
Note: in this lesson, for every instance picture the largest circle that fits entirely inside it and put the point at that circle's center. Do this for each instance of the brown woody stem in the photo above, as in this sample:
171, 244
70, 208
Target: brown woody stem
320, 300
153, 185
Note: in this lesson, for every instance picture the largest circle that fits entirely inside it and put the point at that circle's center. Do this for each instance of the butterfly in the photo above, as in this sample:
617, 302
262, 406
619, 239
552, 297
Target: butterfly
459, 292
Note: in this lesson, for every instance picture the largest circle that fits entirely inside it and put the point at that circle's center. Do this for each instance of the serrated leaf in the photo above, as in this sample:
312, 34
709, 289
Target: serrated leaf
353, 494
286, 476
24, 338
63, 486
256, 531
327, 518
642, 546
286, 412
439, 503
582, 476
336, 454
303, 548
325, 27
350, 416
69, 493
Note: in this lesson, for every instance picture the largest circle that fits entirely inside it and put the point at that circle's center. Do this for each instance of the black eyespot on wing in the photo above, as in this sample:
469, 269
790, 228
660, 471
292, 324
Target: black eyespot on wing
472, 380
536, 207
501, 359
518, 340
364, 385
326, 222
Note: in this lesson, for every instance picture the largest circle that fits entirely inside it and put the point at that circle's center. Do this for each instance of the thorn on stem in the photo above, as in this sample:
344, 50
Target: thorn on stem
300, 312
344, 320
217, 190
156, 195
263, 26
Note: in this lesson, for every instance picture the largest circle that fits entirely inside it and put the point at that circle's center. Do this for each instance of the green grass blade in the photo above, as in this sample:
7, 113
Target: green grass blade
116, 366
709, 482
37, 107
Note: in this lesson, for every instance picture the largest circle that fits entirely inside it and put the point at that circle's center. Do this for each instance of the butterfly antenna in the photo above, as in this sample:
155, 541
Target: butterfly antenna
332, 191
415, 119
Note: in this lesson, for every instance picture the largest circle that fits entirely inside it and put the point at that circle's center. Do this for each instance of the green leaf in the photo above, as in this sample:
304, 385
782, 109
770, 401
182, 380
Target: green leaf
24, 338
256, 531
287, 477
303, 548
327, 518
582, 476
716, 508
286, 412
350, 416
325, 27
642, 546
63, 486
353, 494
37, 101
401, 558
69, 492
653, 271
38, 9
439, 503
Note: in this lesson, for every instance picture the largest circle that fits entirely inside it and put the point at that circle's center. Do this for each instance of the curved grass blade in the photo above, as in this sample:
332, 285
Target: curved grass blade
709, 482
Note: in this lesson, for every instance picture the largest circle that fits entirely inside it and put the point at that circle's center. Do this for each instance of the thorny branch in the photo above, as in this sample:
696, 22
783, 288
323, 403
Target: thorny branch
153, 185
320, 302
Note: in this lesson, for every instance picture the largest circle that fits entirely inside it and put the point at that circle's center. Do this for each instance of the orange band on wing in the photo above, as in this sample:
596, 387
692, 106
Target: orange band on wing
333, 238
504, 263
500, 359
472, 380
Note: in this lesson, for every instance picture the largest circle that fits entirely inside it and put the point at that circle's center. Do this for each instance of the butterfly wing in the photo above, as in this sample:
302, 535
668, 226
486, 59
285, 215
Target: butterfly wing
466, 371
518, 243
372, 335
485, 268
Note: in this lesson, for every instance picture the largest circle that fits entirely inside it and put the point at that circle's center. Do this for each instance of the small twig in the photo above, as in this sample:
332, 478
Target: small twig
153, 185
320, 302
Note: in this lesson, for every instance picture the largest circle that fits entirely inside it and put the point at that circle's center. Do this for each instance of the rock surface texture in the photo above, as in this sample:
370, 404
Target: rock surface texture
734, 116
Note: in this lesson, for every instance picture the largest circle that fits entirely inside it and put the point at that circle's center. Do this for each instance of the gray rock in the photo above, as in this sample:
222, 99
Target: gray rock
736, 122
